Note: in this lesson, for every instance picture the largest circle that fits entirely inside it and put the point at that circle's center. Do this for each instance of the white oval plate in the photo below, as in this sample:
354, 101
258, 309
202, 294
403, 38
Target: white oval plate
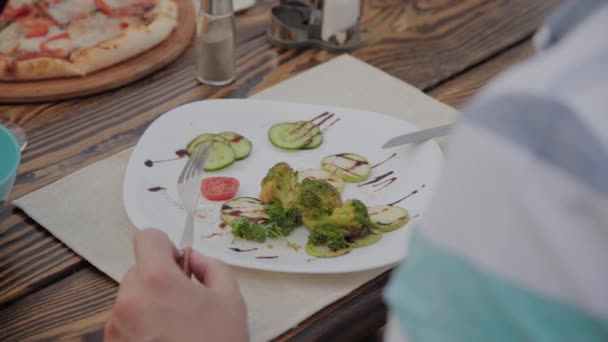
415, 166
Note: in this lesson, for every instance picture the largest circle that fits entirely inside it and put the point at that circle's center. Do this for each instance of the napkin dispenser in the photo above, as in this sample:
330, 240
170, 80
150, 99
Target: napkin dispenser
328, 24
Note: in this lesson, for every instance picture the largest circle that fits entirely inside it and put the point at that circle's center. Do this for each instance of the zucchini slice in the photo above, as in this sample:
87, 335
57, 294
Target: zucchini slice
194, 143
248, 208
317, 139
220, 156
240, 144
323, 175
325, 252
387, 218
292, 135
368, 239
350, 167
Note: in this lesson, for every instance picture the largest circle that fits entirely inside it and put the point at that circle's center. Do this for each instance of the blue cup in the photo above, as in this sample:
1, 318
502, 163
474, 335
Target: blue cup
10, 156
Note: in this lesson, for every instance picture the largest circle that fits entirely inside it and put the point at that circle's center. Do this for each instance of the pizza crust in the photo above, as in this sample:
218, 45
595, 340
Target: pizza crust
134, 41
39, 68
131, 43
2, 67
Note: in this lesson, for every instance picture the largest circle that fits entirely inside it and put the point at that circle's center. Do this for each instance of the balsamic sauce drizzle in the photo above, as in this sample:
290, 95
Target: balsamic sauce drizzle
324, 116
319, 116
180, 154
157, 189
267, 257
377, 179
384, 184
385, 160
211, 235
320, 123
242, 250
406, 197
330, 124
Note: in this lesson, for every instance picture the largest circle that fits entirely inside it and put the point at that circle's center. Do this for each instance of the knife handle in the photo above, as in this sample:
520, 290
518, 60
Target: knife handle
184, 262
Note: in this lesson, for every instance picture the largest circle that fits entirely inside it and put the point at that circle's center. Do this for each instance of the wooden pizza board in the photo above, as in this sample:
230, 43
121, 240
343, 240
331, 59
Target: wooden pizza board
112, 77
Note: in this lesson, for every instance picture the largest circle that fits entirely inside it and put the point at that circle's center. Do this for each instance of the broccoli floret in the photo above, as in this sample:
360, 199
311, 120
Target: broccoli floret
276, 232
241, 228
316, 198
279, 185
285, 219
324, 235
351, 220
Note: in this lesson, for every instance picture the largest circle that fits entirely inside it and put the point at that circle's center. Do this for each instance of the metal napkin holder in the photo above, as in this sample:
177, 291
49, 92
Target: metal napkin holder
316, 23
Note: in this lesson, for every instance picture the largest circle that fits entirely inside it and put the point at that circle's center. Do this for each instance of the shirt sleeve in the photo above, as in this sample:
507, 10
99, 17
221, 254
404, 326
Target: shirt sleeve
509, 247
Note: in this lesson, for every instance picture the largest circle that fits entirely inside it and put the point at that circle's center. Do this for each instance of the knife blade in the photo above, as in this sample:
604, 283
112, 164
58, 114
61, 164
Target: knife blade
419, 136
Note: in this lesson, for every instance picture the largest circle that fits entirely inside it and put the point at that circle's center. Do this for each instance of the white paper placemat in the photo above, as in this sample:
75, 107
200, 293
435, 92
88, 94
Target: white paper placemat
91, 220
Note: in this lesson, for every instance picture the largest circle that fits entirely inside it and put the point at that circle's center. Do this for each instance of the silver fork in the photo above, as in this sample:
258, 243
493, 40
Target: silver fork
188, 189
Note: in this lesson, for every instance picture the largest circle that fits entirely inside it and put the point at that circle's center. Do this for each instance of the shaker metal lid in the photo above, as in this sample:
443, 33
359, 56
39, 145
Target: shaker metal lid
217, 7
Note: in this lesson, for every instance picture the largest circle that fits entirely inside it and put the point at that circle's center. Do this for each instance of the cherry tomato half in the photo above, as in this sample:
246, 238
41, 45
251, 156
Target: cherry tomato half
219, 188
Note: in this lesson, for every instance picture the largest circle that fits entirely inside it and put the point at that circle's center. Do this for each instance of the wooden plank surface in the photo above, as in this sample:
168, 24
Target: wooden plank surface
110, 78
86, 297
416, 41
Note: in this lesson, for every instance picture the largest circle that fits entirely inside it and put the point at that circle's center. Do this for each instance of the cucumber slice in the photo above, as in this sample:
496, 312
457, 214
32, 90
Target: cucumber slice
220, 156
248, 208
323, 175
317, 139
368, 239
291, 135
350, 167
240, 144
325, 252
194, 143
387, 218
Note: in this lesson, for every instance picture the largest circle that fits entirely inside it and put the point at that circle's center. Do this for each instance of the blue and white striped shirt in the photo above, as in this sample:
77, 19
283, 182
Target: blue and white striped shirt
515, 245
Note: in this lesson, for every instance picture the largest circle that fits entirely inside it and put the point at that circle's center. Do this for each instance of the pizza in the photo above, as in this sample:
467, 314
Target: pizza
41, 39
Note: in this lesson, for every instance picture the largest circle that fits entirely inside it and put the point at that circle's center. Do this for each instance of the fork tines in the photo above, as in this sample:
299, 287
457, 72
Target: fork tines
195, 163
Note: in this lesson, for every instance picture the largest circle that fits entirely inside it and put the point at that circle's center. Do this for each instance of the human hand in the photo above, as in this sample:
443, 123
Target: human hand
158, 302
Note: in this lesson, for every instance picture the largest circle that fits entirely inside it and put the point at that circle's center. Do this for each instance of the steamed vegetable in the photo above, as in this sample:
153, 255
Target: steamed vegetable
201, 139
243, 229
240, 144
226, 148
387, 218
316, 198
351, 220
323, 251
350, 167
279, 185
284, 219
335, 226
324, 175
248, 208
327, 236
220, 156
366, 240
295, 135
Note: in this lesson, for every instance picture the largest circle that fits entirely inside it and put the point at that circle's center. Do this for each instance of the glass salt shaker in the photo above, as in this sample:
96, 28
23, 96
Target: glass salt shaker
216, 43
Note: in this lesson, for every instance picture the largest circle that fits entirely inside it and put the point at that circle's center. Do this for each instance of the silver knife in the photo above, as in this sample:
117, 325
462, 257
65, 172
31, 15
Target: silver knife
419, 136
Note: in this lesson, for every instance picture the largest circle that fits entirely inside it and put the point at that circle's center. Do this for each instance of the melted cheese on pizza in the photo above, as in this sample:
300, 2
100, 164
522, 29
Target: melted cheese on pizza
116, 4
14, 41
92, 30
64, 11
9, 39
19, 3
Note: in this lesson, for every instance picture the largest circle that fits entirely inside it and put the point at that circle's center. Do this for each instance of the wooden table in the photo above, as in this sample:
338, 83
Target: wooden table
448, 49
